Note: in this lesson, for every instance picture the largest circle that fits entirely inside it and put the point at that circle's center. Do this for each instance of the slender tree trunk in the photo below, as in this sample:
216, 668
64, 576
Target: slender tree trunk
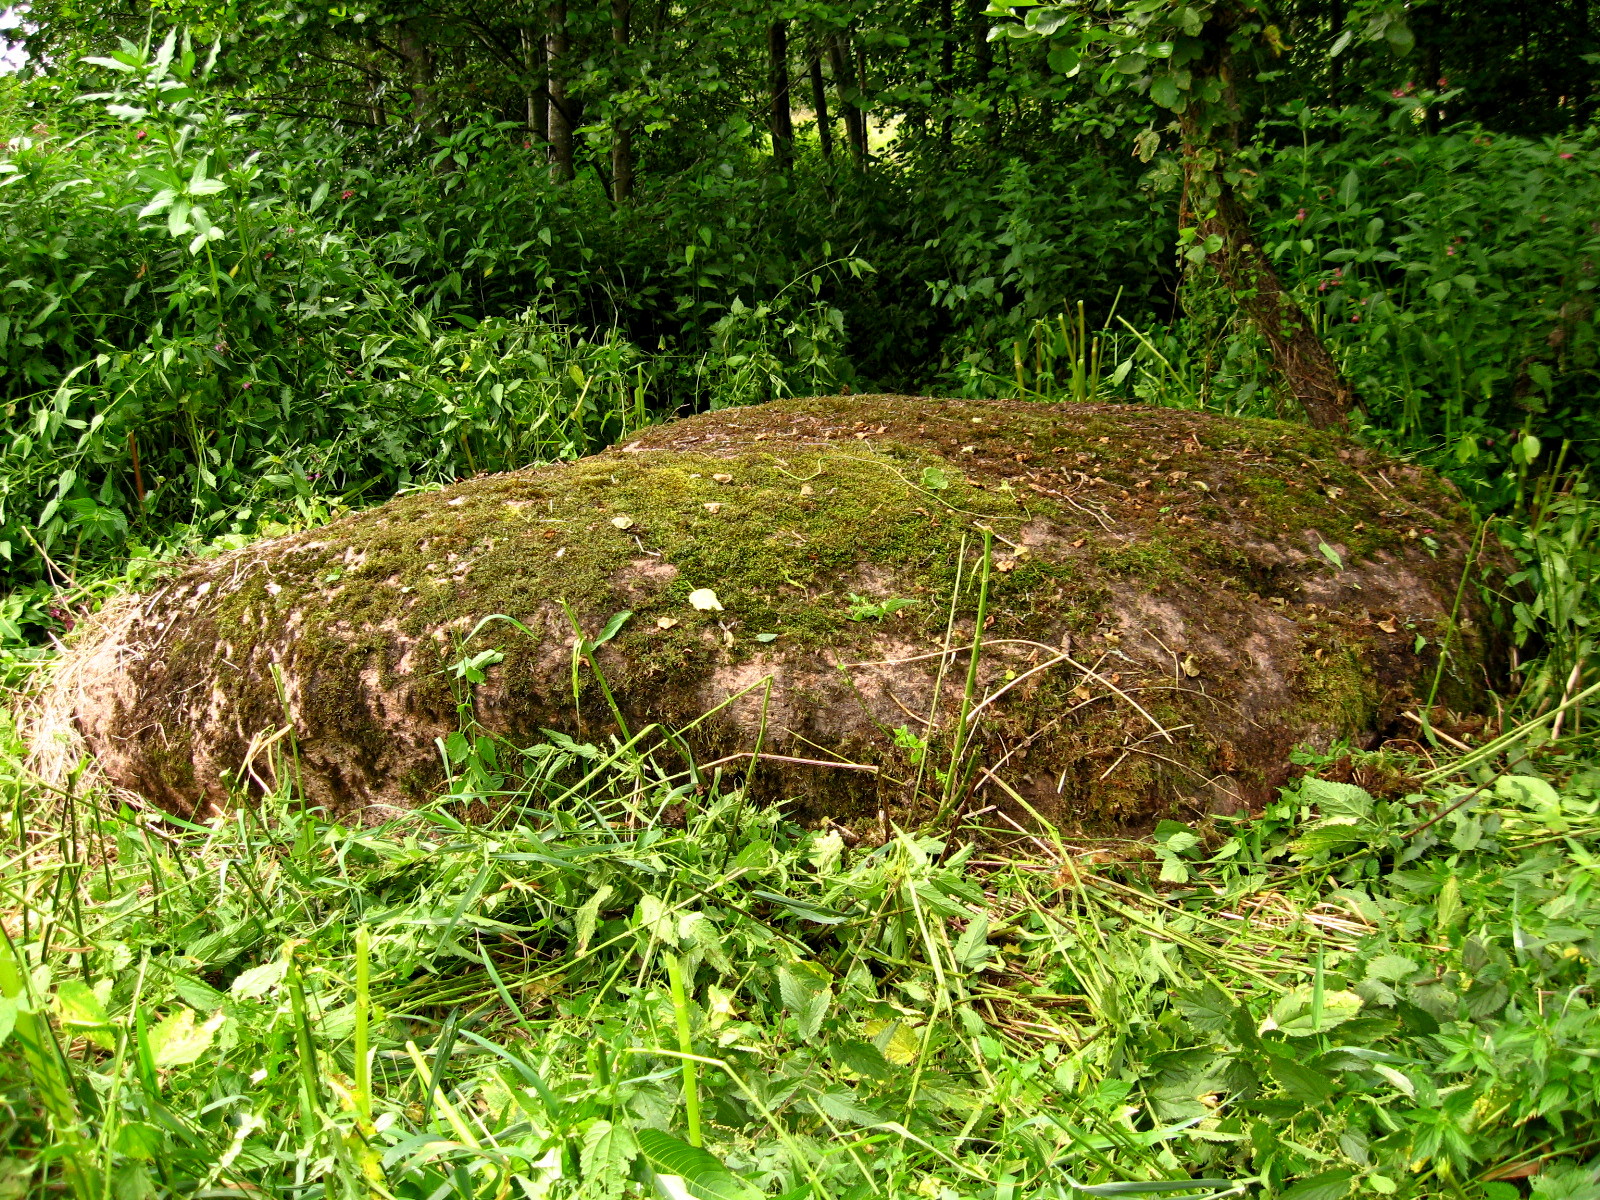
945, 88
1336, 64
561, 121
782, 121
983, 58
1581, 44
844, 79
819, 102
1213, 209
621, 124
538, 102
418, 56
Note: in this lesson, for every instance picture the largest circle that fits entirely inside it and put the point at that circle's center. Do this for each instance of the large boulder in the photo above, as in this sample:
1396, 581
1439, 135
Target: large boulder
1175, 601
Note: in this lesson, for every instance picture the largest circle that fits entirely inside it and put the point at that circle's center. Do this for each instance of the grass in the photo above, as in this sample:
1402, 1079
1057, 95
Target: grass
633, 981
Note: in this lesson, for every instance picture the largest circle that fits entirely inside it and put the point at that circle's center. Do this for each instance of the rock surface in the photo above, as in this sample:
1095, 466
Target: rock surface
1175, 601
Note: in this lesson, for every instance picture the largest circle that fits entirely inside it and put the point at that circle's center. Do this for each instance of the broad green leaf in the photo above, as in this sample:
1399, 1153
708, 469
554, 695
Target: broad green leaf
1294, 1016
1391, 968
1208, 1009
138, 1140
656, 918
606, 1153
1336, 799
972, 948
588, 915
258, 981
178, 219
82, 1014
159, 202
703, 1174
863, 1058
1330, 1185
613, 626
1323, 837
843, 1106
176, 1040
896, 1041
806, 990
1529, 791
700, 931
1173, 868
826, 852
1399, 36
1300, 1082
1065, 60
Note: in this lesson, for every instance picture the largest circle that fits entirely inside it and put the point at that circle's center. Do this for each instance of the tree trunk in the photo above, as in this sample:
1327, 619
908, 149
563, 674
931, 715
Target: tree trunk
418, 57
983, 55
1213, 209
538, 103
945, 87
1581, 43
621, 124
844, 79
781, 122
1336, 64
561, 122
819, 102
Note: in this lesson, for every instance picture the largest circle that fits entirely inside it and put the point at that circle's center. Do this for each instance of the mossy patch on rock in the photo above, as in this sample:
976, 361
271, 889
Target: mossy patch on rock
1175, 601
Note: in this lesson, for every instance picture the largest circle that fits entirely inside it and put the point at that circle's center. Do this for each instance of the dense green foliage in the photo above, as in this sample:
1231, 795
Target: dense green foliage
324, 257
267, 261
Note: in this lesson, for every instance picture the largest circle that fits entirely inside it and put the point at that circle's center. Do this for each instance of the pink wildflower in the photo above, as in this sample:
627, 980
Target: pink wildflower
1301, 215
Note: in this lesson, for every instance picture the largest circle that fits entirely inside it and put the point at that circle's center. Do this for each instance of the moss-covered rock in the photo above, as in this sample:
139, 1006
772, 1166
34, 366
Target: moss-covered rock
1175, 601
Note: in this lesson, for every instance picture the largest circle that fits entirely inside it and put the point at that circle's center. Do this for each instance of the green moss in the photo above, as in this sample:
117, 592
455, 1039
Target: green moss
877, 499
1336, 688
1156, 560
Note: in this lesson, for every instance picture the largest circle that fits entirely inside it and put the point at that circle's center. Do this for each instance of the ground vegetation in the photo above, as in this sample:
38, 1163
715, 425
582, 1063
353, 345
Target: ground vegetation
267, 266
